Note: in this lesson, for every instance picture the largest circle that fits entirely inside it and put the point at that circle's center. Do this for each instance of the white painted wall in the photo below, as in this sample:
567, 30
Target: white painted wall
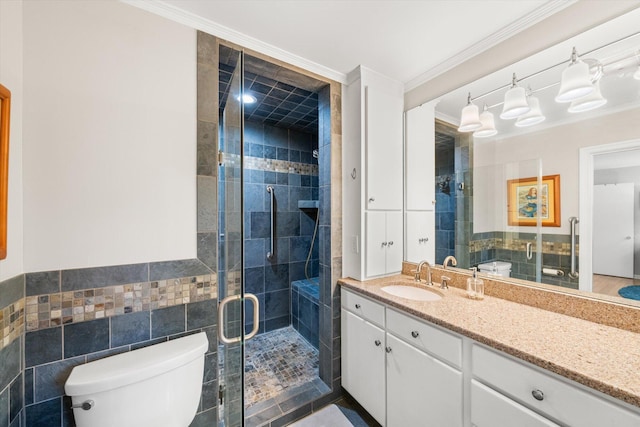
558, 150
109, 136
11, 77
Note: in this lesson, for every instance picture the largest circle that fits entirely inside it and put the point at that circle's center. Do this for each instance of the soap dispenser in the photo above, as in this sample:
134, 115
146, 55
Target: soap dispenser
475, 286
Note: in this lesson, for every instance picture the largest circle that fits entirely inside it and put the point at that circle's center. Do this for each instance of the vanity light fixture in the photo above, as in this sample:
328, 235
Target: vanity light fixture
534, 116
589, 102
576, 80
488, 127
470, 119
515, 101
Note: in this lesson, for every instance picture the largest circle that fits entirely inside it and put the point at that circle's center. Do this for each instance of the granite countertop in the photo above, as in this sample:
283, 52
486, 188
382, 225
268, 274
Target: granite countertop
602, 357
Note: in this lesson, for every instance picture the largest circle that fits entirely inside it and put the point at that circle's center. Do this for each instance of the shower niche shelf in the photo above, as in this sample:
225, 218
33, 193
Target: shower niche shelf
308, 204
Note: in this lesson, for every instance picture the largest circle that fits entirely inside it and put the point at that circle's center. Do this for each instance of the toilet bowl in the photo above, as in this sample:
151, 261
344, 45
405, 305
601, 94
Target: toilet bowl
157, 386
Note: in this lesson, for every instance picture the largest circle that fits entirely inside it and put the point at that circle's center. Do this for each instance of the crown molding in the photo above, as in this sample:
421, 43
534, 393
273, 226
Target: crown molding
499, 36
194, 21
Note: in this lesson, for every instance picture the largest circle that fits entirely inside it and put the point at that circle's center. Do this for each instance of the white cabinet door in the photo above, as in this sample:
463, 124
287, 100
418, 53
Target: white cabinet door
376, 243
383, 136
492, 409
420, 240
394, 242
421, 391
384, 243
420, 157
363, 358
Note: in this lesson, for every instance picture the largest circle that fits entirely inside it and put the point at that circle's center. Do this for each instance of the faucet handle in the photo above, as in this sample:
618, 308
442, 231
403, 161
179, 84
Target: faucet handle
416, 275
444, 282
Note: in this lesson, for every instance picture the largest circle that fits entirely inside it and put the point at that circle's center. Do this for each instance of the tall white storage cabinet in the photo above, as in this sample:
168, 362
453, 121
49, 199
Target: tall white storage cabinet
420, 183
372, 161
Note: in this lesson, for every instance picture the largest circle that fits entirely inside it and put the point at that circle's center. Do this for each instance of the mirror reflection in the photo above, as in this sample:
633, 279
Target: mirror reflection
543, 147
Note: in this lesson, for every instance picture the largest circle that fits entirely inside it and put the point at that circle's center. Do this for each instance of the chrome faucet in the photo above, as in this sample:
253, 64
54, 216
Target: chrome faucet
448, 259
419, 269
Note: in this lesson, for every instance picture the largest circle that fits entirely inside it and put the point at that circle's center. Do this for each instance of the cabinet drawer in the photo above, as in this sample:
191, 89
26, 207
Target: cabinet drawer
363, 307
561, 401
425, 337
492, 409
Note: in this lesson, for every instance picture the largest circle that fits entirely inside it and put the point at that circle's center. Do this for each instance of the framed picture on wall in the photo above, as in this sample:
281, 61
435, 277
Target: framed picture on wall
526, 201
5, 111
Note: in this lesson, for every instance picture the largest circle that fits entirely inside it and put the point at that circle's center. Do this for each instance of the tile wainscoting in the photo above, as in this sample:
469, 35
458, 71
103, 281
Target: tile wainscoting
53, 314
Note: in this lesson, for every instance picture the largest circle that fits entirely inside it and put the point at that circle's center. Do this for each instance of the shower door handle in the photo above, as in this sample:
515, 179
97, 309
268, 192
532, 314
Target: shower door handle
256, 318
256, 315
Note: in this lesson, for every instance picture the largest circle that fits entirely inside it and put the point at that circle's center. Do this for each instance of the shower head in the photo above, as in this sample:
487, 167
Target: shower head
315, 154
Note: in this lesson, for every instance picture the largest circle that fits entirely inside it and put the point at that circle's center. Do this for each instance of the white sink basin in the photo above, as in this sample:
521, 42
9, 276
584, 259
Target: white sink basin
412, 293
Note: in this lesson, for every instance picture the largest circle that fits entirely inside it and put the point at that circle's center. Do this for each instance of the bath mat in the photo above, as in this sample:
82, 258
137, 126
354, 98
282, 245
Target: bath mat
330, 416
631, 292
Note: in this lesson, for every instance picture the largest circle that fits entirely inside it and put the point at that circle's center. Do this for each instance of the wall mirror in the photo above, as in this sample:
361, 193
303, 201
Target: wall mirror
5, 111
591, 146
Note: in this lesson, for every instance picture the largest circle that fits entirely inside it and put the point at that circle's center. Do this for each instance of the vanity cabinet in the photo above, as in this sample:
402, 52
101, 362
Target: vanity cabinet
404, 372
384, 243
372, 161
552, 398
409, 372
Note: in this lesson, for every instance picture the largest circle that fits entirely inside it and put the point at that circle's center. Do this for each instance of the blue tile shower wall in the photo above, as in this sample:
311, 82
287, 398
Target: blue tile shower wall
445, 204
270, 280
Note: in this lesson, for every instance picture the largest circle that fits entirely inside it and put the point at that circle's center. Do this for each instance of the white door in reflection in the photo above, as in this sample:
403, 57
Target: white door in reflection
613, 229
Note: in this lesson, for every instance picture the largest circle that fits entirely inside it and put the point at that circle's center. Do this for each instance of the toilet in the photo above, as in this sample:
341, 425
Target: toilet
157, 386
497, 268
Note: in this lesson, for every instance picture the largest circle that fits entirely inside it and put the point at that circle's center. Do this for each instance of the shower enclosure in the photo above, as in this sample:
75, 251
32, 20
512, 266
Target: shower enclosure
270, 238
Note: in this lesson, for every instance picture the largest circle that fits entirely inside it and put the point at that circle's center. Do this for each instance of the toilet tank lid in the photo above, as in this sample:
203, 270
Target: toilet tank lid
134, 366
499, 266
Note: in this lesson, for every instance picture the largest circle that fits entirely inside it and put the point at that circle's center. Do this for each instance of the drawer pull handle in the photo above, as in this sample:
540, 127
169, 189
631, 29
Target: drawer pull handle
538, 394
377, 343
415, 334
387, 349
358, 306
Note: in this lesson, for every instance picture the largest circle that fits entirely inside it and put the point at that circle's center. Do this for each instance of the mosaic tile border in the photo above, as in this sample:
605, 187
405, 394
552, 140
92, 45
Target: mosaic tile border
272, 165
12, 322
47, 310
555, 248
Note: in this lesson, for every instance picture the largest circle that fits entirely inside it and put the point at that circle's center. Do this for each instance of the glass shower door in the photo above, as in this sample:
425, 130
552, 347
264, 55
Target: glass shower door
231, 297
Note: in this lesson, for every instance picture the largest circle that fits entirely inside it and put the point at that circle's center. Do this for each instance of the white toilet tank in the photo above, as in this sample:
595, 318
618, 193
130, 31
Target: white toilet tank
157, 386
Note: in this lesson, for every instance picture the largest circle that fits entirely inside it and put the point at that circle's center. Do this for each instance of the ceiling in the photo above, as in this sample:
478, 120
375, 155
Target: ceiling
408, 40
290, 102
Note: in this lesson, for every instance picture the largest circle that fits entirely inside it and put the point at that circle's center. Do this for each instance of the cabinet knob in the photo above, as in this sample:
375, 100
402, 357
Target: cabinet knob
387, 349
384, 243
415, 334
391, 243
537, 394
377, 343
358, 306
372, 199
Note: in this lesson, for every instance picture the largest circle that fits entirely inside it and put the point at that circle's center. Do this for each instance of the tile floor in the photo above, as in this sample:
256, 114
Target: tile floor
275, 362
